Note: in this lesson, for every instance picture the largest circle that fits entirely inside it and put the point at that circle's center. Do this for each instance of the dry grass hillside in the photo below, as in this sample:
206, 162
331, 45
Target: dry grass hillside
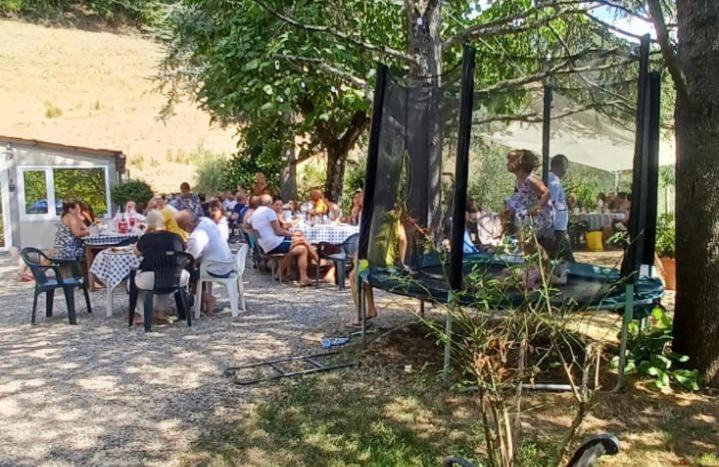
94, 89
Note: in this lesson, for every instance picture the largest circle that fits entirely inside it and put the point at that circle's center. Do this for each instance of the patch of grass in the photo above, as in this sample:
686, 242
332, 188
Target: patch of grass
51, 110
708, 460
387, 412
339, 420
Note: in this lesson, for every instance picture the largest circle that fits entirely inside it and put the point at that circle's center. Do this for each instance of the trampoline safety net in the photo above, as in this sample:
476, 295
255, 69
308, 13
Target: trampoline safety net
592, 119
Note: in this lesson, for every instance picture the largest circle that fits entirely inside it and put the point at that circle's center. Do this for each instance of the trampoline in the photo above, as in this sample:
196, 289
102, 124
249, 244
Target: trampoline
416, 193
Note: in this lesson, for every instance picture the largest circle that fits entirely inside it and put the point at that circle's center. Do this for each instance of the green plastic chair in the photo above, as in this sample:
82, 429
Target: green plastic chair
47, 285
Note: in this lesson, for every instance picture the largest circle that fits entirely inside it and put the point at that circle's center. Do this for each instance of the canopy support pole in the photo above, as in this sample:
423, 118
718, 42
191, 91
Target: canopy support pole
546, 128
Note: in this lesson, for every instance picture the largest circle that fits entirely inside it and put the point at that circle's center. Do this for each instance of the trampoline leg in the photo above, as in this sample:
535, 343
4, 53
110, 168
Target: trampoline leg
626, 319
448, 346
359, 287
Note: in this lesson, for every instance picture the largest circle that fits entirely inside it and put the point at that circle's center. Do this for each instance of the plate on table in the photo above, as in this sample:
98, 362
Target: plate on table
119, 250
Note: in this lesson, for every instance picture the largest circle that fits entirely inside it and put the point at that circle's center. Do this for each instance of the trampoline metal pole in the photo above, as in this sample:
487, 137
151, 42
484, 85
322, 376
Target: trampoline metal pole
448, 344
461, 174
626, 319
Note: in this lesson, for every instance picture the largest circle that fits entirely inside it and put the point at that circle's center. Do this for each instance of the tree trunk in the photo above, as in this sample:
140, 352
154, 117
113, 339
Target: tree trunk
423, 38
288, 177
425, 43
336, 162
696, 322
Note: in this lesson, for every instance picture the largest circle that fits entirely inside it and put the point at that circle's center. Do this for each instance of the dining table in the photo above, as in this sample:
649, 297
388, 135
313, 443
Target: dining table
332, 233
598, 220
97, 242
111, 266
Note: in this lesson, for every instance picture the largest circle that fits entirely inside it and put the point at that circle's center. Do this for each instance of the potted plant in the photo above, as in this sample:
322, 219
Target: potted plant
665, 249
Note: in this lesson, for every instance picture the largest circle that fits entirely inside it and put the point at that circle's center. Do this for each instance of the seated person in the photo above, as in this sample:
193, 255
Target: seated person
273, 239
206, 244
168, 215
70, 232
254, 204
157, 239
353, 218
278, 207
333, 210
88, 215
217, 214
131, 212
241, 206
319, 204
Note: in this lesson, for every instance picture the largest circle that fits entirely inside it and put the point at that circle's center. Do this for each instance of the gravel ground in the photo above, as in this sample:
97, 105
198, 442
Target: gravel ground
101, 394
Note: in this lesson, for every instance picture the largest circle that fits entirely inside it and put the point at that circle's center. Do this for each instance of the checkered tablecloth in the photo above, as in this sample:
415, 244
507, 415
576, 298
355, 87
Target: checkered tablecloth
332, 234
110, 239
111, 268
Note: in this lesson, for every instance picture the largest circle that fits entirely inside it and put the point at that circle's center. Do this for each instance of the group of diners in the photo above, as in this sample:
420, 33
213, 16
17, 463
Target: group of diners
186, 222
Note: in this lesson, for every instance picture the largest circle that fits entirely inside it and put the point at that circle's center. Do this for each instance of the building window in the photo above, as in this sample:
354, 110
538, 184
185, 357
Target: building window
44, 189
86, 185
35, 184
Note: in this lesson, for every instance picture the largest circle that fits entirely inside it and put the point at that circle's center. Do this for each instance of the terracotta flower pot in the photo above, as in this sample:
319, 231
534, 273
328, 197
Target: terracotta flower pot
669, 266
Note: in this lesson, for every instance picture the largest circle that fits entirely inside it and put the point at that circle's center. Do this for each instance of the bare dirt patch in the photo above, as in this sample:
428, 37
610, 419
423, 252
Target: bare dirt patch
95, 89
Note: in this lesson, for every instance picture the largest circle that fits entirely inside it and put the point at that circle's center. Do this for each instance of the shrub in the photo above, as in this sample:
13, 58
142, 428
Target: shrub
666, 236
212, 175
649, 354
131, 190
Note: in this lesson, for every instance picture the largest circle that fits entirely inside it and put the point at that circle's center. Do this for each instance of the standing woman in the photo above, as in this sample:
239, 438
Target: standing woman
70, 232
530, 205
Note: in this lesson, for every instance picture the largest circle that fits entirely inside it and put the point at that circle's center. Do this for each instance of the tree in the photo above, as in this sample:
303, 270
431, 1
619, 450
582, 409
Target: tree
693, 63
303, 71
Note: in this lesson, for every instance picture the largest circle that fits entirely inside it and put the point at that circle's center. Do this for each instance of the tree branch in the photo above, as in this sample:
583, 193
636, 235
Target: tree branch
625, 9
613, 28
340, 35
670, 56
536, 117
562, 68
500, 26
341, 74
356, 127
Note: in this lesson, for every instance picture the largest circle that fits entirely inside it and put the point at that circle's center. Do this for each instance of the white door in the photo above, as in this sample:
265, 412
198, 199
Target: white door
5, 217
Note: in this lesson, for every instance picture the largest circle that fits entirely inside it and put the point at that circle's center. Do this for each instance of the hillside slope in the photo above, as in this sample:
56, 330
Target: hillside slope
94, 89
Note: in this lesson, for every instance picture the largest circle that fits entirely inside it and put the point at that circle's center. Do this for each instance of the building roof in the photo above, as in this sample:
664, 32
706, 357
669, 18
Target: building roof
117, 155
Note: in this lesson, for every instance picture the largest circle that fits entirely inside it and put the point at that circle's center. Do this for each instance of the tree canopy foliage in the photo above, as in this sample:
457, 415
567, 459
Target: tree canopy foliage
301, 72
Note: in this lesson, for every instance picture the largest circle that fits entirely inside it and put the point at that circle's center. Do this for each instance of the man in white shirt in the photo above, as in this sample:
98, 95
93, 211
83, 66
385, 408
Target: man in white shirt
561, 247
229, 203
206, 244
273, 239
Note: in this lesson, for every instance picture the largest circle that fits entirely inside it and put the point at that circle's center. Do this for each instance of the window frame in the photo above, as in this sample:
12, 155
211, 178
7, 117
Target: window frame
52, 214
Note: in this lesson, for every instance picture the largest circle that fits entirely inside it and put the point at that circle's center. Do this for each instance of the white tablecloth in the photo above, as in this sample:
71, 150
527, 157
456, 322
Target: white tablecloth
330, 233
111, 268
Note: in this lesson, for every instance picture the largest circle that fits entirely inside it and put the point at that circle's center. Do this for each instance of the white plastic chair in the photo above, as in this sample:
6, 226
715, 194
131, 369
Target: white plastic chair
233, 283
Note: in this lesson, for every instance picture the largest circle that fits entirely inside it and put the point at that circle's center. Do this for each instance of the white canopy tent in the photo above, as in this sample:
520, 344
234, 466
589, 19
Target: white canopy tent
587, 137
